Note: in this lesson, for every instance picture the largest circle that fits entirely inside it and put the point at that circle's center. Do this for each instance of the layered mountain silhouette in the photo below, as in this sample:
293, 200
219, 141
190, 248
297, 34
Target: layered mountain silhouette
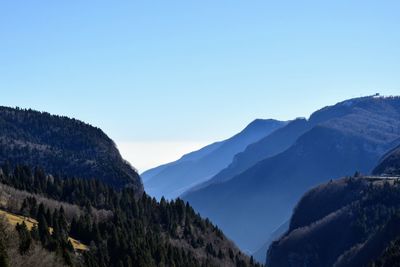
63, 146
270, 145
260, 254
255, 198
173, 179
352, 221
390, 163
70, 178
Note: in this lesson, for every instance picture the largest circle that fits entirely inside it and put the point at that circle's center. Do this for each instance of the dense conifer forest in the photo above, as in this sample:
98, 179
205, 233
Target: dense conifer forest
135, 232
63, 145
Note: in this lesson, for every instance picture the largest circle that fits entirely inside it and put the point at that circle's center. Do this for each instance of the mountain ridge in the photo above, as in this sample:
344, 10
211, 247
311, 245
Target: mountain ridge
120, 223
263, 196
346, 222
63, 146
172, 179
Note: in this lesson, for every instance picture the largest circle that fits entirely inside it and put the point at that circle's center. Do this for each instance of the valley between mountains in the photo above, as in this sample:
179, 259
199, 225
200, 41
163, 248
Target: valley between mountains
317, 191
252, 198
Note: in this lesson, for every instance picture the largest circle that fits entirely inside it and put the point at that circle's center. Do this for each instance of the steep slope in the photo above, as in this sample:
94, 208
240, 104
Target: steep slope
192, 156
261, 254
173, 179
120, 227
285, 137
10, 241
350, 136
390, 163
347, 222
63, 146
270, 145
122, 230
390, 256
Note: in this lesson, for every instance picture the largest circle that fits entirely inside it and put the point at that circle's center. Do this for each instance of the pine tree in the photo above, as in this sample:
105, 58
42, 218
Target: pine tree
43, 230
3, 255
25, 239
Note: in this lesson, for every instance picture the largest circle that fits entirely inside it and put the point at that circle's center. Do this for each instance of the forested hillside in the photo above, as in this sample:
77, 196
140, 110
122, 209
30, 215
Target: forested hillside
119, 229
70, 178
348, 222
18, 248
63, 146
349, 136
354, 221
390, 163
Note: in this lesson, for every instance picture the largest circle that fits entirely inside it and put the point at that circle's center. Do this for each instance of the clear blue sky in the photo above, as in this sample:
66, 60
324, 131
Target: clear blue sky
194, 71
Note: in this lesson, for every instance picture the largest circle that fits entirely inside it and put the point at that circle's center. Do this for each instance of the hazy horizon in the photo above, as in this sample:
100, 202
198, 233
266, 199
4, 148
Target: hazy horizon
183, 74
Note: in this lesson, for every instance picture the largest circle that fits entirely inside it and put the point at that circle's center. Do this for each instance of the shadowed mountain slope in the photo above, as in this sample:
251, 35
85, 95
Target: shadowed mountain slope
121, 225
349, 136
390, 163
261, 254
63, 146
347, 222
173, 179
268, 146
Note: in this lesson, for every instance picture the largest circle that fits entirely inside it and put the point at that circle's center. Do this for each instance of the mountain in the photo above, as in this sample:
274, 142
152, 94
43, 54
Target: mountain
173, 179
349, 136
63, 146
390, 163
280, 140
104, 212
347, 222
268, 146
261, 254
114, 227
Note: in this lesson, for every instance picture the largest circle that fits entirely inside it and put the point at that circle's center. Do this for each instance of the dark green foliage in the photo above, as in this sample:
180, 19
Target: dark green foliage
35, 233
138, 234
347, 222
3, 255
4, 240
43, 229
62, 146
390, 257
25, 238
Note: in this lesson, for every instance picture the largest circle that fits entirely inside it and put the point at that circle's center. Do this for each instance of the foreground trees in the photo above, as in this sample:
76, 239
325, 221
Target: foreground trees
131, 232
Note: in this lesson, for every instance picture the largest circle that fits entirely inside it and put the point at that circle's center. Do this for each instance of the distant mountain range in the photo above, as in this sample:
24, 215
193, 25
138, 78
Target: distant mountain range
173, 179
248, 185
258, 187
353, 221
70, 178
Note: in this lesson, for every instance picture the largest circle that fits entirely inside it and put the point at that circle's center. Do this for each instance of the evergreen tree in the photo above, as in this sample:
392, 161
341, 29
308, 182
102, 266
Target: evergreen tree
25, 238
4, 262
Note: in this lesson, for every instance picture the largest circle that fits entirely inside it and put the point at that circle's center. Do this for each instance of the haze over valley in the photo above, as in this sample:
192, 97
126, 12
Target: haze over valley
200, 133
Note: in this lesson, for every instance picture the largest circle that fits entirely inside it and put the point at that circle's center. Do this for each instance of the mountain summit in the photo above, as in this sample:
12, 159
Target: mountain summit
63, 146
335, 141
172, 179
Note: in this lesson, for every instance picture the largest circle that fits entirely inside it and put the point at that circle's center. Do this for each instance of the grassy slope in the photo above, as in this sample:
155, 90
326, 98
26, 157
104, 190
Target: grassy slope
30, 222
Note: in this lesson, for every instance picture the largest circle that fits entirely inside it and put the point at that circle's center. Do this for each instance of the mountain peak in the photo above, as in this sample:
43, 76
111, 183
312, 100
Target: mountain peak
195, 168
259, 124
63, 146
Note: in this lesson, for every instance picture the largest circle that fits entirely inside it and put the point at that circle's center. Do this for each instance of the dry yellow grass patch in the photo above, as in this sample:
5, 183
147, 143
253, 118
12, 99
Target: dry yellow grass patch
14, 219
30, 222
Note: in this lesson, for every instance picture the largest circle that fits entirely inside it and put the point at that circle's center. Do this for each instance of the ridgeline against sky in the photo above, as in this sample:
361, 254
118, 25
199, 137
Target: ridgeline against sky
169, 71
